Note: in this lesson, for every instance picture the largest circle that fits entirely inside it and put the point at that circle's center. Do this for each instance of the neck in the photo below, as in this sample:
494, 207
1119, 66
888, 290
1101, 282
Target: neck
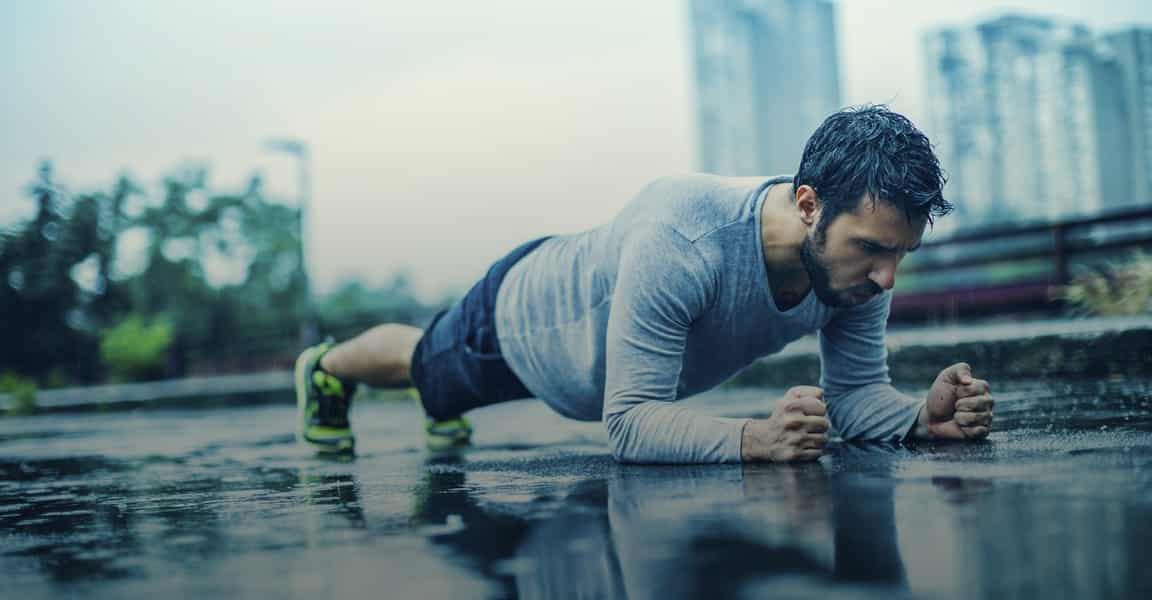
782, 233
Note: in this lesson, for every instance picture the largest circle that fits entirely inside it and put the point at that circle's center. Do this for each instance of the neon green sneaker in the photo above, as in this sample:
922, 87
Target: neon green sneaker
446, 434
322, 402
450, 433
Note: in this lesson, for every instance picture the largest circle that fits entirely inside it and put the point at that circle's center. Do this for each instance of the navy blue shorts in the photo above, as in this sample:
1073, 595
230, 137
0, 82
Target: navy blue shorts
457, 364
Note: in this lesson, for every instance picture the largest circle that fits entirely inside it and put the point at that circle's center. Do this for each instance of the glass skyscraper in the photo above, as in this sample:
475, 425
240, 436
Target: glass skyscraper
1030, 118
766, 76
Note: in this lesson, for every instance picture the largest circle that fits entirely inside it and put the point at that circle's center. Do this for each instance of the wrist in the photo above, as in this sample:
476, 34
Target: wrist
752, 441
920, 429
747, 441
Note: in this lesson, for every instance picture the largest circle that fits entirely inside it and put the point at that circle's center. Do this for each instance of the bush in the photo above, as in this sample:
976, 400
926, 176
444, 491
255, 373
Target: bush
135, 350
22, 392
1115, 289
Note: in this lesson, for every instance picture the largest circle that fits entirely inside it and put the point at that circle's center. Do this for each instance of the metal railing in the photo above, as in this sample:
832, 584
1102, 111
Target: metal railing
1013, 269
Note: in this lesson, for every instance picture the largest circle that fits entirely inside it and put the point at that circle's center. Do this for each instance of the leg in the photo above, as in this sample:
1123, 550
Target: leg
326, 379
455, 365
380, 357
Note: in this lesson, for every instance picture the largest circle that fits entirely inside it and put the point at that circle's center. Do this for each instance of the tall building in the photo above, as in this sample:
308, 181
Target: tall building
1132, 51
957, 120
1028, 118
766, 76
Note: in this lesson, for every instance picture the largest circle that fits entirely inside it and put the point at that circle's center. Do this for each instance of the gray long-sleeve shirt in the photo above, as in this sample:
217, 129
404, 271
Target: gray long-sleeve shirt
671, 299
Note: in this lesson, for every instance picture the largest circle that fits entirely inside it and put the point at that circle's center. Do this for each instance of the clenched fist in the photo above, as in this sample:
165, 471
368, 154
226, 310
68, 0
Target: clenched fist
796, 431
959, 406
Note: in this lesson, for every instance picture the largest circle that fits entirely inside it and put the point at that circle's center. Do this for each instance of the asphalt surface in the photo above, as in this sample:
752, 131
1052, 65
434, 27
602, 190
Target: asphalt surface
222, 502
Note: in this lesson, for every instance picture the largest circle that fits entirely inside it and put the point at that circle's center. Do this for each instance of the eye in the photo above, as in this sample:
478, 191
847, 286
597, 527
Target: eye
869, 247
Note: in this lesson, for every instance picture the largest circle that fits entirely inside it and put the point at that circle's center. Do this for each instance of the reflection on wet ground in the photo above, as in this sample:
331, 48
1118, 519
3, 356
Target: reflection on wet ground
1056, 504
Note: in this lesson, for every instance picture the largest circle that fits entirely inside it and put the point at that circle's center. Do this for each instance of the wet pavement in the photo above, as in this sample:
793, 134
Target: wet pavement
222, 502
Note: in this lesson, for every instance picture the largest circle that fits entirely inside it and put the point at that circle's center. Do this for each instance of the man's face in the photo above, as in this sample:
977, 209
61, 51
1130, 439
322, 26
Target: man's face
856, 256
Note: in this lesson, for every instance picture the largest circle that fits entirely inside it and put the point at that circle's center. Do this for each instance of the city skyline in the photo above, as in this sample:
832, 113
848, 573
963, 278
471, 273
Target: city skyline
1039, 119
440, 137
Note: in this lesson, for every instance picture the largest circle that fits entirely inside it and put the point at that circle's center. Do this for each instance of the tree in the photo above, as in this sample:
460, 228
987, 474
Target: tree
62, 292
41, 302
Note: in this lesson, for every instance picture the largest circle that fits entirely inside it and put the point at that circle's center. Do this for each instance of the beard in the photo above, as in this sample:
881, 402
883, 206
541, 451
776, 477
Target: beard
811, 255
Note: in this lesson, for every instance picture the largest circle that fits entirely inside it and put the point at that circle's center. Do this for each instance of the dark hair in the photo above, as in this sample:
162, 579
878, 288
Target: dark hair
870, 149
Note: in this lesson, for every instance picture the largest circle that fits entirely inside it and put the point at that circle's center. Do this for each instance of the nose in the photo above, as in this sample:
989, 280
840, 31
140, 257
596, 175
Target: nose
884, 275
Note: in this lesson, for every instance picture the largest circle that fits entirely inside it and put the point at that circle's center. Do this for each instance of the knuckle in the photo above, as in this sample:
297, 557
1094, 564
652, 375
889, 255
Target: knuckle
977, 432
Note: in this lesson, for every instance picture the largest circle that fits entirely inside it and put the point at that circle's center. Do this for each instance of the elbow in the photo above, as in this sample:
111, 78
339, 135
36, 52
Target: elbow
617, 425
621, 456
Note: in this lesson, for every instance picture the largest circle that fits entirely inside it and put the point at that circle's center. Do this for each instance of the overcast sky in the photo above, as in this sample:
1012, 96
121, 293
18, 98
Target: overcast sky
443, 133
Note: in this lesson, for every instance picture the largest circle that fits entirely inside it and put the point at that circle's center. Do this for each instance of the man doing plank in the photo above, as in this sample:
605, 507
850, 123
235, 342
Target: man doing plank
696, 278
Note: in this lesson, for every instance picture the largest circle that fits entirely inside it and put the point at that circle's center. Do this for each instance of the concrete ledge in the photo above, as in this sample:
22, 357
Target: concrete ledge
1101, 347
1090, 348
172, 390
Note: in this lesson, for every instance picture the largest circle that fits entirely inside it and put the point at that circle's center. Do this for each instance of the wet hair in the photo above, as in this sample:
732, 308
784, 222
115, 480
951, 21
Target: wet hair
870, 149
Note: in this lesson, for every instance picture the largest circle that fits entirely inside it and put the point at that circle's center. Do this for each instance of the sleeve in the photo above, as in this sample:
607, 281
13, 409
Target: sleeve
862, 404
662, 285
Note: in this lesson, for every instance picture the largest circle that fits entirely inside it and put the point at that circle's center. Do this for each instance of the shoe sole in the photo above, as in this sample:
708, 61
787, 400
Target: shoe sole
338, 446
301, 395
444, 442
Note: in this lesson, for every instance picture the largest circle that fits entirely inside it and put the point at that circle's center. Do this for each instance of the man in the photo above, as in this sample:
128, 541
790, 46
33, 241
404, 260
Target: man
695, 279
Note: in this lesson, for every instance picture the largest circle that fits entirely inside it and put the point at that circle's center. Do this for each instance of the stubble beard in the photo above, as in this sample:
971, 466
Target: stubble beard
811, 252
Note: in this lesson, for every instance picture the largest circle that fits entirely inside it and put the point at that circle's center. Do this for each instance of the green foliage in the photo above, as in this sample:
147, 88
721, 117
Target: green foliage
1123, 288
135, 350
22, 393
64, 285
41, 304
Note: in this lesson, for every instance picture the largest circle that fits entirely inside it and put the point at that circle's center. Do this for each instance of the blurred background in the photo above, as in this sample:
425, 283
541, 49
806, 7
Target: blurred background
202, 187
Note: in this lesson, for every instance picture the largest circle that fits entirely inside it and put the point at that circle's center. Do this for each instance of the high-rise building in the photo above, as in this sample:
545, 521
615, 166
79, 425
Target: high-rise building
766, 76
957, 121
1028, 118
1132, 51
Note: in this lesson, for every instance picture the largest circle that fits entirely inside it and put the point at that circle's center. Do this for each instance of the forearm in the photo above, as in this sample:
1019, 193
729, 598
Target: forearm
661, 432
876, 411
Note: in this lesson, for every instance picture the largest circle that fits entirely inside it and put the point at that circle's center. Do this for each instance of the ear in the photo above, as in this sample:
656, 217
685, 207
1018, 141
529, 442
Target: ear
807, 204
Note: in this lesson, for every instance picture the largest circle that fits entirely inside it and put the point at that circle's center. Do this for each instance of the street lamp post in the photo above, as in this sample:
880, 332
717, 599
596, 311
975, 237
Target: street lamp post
309, 329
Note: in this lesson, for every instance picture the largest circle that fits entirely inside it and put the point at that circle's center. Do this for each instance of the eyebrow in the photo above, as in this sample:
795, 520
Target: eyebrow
887, 248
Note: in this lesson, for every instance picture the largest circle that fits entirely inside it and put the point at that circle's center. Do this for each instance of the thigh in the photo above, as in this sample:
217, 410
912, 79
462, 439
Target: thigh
457, 365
